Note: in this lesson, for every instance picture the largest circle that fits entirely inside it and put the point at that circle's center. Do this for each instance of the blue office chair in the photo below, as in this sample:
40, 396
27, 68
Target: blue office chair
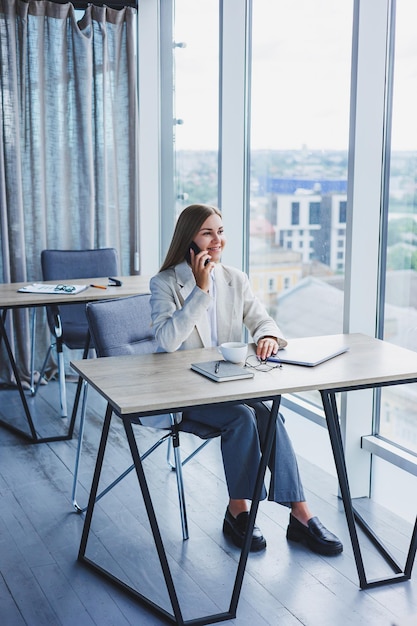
68, 323
124, 326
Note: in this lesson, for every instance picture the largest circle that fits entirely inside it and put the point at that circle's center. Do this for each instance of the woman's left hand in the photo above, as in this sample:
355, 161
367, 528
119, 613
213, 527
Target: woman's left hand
266, 347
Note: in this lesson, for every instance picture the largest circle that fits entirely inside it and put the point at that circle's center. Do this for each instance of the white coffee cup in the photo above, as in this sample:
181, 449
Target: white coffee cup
234, 351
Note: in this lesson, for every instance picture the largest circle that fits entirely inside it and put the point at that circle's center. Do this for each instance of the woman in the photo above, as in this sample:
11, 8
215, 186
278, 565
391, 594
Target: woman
198, 302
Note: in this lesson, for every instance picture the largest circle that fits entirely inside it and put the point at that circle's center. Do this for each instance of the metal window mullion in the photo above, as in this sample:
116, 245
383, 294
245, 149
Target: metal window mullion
233, 127
149, 135
368, 111
168, 216
385, 183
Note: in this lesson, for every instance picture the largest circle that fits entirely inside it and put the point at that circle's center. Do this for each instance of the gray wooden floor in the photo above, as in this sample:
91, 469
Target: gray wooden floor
42, 583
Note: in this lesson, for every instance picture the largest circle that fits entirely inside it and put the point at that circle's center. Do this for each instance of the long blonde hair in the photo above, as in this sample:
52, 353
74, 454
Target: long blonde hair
188, 224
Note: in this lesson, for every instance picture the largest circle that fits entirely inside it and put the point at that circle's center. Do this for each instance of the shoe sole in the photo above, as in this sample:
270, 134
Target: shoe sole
298, 537
256, 546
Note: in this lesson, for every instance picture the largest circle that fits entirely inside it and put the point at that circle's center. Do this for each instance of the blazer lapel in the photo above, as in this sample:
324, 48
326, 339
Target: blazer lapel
225, 296
185, 285
185, 281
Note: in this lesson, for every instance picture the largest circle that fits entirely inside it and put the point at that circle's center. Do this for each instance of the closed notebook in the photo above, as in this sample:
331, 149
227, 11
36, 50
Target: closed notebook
225, 370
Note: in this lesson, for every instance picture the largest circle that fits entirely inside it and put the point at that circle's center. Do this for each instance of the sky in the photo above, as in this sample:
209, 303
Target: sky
300, 75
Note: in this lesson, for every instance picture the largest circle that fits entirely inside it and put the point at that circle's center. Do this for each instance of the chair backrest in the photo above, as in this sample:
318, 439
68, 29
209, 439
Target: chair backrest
122, 326
64, 265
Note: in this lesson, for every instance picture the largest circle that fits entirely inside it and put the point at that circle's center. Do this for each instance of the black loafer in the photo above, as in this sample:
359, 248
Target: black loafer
235, 528
315, 536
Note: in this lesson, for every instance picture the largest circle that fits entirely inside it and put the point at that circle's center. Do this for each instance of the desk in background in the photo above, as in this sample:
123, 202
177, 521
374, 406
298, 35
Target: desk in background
160, 383
11, 298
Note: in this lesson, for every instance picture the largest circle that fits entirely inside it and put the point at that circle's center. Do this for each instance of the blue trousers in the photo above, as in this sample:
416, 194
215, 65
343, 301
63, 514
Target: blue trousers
242, 428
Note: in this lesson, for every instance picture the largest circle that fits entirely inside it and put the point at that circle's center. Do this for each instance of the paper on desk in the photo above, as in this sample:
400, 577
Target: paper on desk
59, 288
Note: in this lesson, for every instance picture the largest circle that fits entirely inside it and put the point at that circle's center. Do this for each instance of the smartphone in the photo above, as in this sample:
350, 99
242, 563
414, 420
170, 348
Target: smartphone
196, 249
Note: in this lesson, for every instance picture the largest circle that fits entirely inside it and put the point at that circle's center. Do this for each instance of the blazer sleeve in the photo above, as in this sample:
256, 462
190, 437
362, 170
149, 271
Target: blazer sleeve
174, 319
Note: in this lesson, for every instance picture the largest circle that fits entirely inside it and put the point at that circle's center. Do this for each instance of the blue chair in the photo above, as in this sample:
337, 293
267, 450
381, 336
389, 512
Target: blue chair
121, 327
68, 324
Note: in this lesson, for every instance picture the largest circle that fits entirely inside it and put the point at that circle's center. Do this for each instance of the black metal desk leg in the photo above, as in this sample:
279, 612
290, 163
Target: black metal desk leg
269, 438
87, 524
94, 485
33, 436
176, 615
3, 335
353, 517
153, 522
330, 410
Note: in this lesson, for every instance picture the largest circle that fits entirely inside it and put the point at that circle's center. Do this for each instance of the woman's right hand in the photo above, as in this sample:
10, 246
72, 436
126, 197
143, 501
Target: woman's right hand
201, 270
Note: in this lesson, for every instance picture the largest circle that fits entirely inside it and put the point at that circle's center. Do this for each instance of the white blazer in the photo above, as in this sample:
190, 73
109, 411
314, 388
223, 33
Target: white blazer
179, 309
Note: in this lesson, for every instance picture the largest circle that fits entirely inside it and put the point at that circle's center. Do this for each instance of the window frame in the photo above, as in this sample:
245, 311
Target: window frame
369, 119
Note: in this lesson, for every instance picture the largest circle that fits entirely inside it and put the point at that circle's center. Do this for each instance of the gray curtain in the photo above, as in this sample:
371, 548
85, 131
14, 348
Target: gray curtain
68, 142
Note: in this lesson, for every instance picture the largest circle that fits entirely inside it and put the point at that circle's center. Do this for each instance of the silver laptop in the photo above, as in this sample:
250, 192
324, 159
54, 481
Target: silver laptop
311, 351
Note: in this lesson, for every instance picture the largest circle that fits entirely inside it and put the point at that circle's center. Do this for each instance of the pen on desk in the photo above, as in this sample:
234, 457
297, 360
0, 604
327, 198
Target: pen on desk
98, 286
216, 367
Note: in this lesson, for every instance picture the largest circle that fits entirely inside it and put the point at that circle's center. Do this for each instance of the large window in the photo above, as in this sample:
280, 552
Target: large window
310, 275
196, 101
299, 145
398, 406
301, 67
